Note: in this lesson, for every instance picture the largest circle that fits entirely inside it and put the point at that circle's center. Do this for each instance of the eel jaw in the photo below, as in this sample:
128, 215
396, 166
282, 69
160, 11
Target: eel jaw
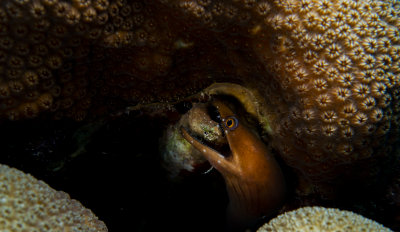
216, 159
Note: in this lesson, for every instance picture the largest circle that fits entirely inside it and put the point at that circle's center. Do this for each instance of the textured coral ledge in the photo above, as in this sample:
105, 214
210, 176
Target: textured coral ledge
328, 70
321, 219
31, 205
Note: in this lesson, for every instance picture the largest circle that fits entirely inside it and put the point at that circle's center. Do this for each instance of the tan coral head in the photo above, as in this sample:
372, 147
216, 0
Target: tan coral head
254, 180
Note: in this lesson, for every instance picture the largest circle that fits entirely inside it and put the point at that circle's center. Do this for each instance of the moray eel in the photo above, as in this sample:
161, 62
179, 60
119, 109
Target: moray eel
254, 180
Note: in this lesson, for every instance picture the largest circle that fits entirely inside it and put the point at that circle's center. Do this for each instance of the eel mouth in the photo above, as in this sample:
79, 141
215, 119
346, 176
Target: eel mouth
228, 103
214, 114
223, 148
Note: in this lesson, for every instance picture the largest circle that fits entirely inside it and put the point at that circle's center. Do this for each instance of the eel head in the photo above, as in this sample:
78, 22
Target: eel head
254, 180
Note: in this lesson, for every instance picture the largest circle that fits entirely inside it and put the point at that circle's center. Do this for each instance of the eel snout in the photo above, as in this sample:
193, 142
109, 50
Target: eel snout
254, 180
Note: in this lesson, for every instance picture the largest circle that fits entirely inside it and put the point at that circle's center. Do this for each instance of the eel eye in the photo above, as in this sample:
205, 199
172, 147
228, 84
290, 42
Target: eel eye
231, 123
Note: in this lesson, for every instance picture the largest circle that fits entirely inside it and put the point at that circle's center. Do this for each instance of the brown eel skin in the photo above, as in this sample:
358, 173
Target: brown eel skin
254, 181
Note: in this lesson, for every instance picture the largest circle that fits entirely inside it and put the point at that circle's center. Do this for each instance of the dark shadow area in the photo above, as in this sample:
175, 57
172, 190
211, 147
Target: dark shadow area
118, 174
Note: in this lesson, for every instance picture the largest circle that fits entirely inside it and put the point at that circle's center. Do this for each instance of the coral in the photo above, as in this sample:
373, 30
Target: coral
327, 70
321, 219
337, 80
177, 153
201, 124
42, 44
31, 205
82, 54
329, 76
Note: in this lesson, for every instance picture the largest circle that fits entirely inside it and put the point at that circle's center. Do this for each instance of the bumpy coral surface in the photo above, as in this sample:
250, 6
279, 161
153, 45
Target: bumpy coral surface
336, 66
328, 69
321, 219
38, 41
31, 205
68, 56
